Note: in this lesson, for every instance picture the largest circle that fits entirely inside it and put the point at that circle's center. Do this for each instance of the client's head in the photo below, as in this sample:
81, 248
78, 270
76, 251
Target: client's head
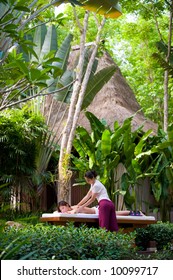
63, 206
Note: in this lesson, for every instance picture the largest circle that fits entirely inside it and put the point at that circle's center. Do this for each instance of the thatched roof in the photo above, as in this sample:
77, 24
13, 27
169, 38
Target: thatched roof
115, 102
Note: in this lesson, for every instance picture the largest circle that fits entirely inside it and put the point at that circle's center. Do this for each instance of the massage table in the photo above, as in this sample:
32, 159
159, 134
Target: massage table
127, 223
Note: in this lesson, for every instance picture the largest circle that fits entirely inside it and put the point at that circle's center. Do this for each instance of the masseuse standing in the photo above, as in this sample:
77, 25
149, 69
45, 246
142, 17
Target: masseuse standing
107, 215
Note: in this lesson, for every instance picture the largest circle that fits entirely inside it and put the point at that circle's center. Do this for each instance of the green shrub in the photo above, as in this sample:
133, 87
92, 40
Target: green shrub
162, 233
162, 255
45, 242
13, 215
64, 243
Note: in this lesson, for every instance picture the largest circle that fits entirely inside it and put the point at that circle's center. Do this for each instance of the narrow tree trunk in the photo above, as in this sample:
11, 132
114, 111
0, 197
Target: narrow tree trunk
83, 88
74, 111
64, 174
166, 75
165, 112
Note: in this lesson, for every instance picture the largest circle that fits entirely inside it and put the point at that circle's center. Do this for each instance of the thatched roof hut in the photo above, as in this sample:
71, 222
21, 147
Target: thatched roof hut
115, 102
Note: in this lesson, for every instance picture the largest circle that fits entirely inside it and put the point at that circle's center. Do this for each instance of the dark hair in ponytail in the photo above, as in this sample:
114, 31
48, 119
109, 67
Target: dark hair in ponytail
91, 174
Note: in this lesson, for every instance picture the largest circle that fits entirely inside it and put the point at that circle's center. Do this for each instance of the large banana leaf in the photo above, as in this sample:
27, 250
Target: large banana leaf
96, 83
142, 142
118, 136
38, 40
61, 81
113, 162
106, 143
50, 41
65, 94
108, 8
85, 142
96, 125
88, 52
63, 52
156, 189
82, 165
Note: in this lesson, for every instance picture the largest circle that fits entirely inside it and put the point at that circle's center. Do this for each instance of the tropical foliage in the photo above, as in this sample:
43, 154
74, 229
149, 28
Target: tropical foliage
24, 166
142, 155
21, 74
138, 43
33, 63
34, 68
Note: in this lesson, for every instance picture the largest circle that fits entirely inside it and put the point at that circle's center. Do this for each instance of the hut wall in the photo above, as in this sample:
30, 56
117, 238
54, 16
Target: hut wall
77, 193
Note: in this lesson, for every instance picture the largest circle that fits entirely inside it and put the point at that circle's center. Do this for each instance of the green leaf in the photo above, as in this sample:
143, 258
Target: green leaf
38, 39
157, 190
80, 164
65, 80
106, 143
63, 53
4, 185
10, 26
129, 198
136, 166
7, 18
142, 142
96, 83
35, 74
114, 162
124, 182
96, 125
62, 79
79, 148
22, 66
86, 142
118, 135
22, 8
116, 125
50, 42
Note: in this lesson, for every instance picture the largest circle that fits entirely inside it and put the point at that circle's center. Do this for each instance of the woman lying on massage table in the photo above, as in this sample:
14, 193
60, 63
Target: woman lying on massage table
64, 207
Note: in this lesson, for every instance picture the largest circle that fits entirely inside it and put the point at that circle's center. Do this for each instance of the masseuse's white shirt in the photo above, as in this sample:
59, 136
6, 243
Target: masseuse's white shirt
99, 189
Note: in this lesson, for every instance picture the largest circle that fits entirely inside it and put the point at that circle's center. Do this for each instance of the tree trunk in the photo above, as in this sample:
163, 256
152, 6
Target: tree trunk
64, 174
166, 75
83, 88
74, 110
165, 112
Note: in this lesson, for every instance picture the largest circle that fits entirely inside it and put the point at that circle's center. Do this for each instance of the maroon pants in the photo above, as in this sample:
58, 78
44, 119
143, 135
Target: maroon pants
107, 215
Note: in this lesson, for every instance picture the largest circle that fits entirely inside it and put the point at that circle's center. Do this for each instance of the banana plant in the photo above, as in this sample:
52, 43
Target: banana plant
95, 151
16, 19
158, 162
15, 15
141, 155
